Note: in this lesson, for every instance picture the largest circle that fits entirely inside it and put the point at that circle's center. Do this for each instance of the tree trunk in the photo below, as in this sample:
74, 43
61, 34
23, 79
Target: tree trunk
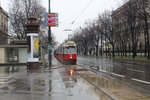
113, 50
97, 50
101, 45
147, 34
145, 47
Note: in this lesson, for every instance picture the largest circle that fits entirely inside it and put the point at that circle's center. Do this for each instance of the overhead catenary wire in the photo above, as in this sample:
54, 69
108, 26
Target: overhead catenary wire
81, 12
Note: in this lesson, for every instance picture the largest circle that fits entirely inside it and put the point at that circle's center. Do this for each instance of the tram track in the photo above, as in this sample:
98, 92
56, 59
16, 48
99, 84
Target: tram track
85, 69
133, 83
101, 90
106, 92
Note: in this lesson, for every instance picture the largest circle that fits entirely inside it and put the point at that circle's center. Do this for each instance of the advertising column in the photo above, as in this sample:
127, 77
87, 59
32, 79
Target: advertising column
33, 49
32, 31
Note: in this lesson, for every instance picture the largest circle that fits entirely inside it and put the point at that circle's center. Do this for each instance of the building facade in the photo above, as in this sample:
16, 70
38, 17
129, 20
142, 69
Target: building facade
3, 27
128, 22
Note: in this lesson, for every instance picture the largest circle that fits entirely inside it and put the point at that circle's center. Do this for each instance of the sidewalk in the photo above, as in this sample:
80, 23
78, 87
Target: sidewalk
39, 84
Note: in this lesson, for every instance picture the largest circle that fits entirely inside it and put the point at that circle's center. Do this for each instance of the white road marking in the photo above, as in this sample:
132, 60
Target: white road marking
103, 71
118, 75
135, 70
140, 81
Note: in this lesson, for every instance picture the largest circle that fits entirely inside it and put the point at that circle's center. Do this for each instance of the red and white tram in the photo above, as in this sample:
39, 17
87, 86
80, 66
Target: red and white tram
66, 52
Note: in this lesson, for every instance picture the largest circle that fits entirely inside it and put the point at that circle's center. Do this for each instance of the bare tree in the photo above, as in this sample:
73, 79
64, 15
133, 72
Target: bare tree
143, 13
107, 30
20, 10
78, 39
122, 31
93, 36
133, 24
84, 40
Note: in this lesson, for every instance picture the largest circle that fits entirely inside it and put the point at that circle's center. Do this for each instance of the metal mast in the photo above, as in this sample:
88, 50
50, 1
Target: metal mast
49, 39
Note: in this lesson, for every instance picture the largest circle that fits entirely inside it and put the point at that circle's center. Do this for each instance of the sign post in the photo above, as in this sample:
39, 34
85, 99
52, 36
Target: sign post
51, 20
49, 41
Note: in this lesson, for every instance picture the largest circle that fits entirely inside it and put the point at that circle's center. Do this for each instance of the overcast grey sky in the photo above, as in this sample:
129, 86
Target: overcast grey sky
69, 10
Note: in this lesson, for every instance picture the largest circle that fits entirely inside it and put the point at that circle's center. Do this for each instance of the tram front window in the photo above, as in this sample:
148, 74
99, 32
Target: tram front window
70, 50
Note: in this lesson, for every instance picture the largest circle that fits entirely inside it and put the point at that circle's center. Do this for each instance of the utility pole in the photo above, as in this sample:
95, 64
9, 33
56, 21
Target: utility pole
49, 40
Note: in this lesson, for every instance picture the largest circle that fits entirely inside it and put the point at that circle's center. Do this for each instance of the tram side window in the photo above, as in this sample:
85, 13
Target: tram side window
70, 50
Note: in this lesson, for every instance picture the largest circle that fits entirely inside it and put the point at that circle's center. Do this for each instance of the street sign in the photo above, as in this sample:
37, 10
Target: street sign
46, 23
45, 14
52, 24
49, 47
51, 19
52, 15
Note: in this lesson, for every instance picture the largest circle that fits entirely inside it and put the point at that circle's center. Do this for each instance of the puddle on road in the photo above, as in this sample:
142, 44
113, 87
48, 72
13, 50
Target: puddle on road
7, 73
76, 88
111, 87
27, 85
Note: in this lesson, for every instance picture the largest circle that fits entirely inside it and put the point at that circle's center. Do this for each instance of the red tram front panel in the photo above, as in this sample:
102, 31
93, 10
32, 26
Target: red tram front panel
69, 58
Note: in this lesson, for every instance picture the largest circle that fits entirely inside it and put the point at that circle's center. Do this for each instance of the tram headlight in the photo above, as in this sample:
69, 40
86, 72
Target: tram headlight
71, 72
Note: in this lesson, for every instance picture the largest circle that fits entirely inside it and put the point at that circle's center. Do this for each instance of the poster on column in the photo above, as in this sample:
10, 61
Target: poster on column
35, 47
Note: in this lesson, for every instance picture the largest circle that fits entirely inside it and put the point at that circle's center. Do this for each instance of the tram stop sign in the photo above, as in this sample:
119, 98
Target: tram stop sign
51, 19
49, 47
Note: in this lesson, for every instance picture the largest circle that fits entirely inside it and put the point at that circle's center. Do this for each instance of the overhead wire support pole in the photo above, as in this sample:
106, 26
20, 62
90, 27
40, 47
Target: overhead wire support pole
49, 40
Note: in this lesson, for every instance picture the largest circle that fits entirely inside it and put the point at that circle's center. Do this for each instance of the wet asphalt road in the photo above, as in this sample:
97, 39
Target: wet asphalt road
62, 82
134, 74
128, 69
